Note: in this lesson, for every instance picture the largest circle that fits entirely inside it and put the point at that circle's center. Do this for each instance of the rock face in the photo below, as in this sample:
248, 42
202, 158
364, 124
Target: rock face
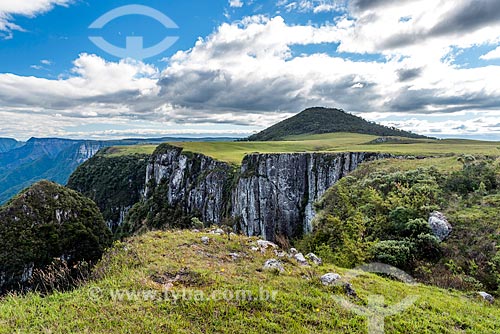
270, 195
439, 225
275, 193
193, 182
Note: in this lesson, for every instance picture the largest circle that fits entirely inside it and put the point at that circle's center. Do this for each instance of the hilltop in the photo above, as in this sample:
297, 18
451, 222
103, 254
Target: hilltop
44, 222
135, 286
326, 120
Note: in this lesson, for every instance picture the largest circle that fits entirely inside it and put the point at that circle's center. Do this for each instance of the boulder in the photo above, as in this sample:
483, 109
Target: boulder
264, 244
315, 259
330, 279
205, 240
293, 251
301, 259
274, 265
218, 231
440, 226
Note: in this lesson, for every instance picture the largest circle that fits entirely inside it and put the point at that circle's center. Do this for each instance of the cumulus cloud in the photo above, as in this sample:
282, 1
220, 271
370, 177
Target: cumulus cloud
29, 8
246, 75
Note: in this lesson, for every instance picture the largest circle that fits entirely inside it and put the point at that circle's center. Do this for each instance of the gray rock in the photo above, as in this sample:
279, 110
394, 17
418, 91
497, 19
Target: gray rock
235, 256
264, 244
274, 265
440, 226
293, 251
486, 296
205, 240
330, 279
316, 260
301, 259
254, 249
218, 231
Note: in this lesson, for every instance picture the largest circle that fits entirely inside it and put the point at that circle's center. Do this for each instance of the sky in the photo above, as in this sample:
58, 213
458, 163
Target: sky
235, 67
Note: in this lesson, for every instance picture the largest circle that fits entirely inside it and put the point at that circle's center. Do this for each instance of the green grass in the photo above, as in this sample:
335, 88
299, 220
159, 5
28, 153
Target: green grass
302, 304
233, 152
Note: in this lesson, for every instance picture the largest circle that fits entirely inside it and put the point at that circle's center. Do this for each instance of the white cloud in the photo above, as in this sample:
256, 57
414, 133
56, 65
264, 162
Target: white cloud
29, 8
494, 54
315, 6
236, 3
246, 76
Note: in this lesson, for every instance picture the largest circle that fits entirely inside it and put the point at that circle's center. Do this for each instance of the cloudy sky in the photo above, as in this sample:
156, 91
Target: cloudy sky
429, 66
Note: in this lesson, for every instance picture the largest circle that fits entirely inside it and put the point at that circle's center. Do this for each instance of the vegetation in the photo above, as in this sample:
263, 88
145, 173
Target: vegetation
325, 120
115, 183
145, 265
233, 152
44, 222
376, 215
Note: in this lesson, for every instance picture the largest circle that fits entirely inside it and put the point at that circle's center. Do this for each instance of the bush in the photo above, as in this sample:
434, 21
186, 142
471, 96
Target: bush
397, 253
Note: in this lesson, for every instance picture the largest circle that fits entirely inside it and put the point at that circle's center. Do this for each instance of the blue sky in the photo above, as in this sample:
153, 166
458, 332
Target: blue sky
240, 65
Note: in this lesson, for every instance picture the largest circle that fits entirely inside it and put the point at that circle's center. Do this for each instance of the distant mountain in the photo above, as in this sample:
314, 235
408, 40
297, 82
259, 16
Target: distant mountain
7, 144
56, 159
326, 120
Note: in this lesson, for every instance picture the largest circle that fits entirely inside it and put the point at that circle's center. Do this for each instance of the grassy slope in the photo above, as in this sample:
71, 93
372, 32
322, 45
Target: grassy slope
302, 305
234, 152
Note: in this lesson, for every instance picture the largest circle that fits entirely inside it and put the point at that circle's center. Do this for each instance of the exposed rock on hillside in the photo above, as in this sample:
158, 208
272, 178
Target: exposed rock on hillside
439, 225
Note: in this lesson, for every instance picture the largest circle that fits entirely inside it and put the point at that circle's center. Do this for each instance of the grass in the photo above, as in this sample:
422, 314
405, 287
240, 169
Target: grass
302, 304
233, 152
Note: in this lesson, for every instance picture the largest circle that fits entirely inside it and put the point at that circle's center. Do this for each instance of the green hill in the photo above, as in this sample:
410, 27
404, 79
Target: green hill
44, 222
326, 120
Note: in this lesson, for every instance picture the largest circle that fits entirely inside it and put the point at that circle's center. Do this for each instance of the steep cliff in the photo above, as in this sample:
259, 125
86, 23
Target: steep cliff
275, 193
193, 183
270, 195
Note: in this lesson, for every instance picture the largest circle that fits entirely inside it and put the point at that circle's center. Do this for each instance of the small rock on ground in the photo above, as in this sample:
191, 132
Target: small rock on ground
330, 279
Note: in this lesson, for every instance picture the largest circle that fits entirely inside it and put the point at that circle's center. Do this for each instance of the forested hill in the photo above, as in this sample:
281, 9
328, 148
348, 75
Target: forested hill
325, 120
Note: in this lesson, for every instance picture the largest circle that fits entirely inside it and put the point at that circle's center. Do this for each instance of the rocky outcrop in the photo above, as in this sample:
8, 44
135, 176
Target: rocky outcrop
269, 195
439, 225
195, 183
275, 193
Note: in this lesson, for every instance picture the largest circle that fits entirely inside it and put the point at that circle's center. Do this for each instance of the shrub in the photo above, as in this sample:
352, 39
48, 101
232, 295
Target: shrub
396, 253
